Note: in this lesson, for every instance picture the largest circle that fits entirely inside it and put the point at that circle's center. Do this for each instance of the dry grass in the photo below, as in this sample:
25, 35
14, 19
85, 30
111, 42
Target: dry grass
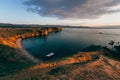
91, 68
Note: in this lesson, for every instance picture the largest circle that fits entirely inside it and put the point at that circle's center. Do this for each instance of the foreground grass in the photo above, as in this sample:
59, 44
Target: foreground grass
101, 68
87, 65
11, 61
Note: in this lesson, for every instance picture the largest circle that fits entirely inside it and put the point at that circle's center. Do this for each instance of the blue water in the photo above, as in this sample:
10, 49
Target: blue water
69, 41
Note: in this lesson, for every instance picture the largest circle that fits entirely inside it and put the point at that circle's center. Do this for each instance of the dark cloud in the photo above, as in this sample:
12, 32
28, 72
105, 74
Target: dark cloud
72, 9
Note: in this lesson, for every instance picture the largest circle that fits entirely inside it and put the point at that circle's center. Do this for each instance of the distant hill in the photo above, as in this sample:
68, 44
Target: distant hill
108, 27
8, 25
76, 27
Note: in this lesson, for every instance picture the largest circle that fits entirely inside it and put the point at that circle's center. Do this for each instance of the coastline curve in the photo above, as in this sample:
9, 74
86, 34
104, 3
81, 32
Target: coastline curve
25, 53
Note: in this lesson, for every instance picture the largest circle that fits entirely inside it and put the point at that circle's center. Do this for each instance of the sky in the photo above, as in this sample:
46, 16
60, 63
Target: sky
61, 12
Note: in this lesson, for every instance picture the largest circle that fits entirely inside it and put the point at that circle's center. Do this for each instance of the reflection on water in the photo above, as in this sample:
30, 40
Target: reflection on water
69, 41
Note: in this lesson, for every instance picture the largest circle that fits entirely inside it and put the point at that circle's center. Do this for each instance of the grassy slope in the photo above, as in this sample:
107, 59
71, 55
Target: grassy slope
11, 60
13, 32
98, 68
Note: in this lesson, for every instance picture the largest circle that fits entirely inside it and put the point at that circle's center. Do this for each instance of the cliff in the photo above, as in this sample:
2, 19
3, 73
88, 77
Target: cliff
9, 39
13, 57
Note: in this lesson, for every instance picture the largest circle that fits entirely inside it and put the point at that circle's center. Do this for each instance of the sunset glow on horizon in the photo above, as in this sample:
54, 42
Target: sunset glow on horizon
60, 12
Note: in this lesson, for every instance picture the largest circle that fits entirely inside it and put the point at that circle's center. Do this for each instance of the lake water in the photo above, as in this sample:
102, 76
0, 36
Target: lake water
69, 41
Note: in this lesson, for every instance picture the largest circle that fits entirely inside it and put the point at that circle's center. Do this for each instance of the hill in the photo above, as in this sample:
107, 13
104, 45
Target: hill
82, 66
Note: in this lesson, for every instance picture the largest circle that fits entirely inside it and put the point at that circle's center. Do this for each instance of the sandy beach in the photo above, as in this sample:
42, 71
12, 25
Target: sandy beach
25, 53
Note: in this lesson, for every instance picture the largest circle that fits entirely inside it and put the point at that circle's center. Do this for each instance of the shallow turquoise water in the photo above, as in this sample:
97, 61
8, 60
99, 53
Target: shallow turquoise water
69, 41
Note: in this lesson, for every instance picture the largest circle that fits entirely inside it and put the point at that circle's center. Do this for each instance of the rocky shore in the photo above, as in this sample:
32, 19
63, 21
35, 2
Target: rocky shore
13, 57
14, 41
10, 40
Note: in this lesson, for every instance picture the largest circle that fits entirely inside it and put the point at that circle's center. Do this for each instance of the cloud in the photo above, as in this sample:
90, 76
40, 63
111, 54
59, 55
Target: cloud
72, 9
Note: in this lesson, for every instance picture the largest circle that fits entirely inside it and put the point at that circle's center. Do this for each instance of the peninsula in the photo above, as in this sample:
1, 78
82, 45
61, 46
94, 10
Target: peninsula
94, 62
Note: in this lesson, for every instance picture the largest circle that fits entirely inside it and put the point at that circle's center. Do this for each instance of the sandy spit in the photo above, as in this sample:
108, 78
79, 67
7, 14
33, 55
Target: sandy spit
25, 53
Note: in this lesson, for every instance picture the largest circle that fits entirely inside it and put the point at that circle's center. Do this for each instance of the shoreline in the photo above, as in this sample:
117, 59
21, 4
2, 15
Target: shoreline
24, 52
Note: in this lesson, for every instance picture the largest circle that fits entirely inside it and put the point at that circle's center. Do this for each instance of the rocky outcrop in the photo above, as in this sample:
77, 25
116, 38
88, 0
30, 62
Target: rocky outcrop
11, 40
77, 58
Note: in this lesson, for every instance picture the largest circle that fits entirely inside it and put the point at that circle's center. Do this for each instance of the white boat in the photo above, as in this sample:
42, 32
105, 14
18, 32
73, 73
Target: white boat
50, 54
100, 33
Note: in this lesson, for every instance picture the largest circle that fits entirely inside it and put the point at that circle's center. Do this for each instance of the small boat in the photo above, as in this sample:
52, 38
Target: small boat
100, 33
50, 54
